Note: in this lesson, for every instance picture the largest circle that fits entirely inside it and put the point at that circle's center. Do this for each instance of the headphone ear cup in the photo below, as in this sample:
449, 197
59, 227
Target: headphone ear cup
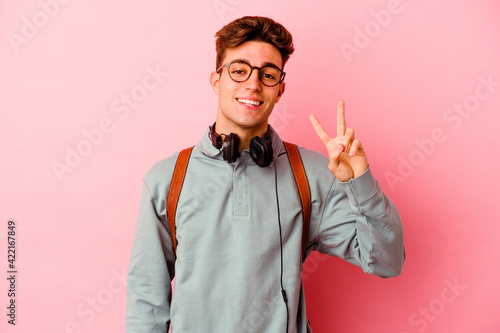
230, 148
261, 151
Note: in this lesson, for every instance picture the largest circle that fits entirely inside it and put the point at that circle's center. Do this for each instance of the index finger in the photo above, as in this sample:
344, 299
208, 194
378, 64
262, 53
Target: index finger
340, 119
320, 131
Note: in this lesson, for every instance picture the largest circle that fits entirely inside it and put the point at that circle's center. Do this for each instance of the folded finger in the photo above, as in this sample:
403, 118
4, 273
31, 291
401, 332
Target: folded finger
356, 145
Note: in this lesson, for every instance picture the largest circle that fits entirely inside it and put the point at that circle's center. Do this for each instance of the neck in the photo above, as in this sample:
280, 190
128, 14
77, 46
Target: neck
245, 134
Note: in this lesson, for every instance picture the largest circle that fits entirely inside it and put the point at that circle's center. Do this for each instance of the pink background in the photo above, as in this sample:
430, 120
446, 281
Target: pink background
66, 65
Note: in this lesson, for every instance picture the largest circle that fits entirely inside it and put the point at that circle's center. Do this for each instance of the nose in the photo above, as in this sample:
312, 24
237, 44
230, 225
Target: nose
253, 82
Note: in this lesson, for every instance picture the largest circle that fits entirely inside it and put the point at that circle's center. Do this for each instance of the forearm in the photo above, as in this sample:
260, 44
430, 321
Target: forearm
362, 226
378, 224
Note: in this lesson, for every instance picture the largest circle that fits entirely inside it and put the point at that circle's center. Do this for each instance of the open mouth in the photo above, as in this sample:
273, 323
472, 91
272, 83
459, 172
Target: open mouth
249, 102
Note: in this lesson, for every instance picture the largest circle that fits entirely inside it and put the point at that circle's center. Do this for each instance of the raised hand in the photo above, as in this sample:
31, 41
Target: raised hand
347, 156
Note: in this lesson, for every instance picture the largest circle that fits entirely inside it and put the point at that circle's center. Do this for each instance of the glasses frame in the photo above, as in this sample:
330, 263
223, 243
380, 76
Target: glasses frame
282, 75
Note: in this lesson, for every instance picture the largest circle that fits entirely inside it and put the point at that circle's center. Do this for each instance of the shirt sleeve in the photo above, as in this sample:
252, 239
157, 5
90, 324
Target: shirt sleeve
361, 225
151, 269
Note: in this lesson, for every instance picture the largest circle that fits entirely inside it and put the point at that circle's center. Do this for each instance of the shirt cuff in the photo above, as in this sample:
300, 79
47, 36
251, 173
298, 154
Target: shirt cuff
361, 188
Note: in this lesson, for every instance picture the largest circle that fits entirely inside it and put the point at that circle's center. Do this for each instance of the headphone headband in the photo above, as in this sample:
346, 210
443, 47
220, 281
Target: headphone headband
216, 138
261, 149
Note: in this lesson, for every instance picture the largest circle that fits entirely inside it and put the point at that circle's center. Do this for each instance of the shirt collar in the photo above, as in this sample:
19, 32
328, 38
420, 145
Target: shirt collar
209, 150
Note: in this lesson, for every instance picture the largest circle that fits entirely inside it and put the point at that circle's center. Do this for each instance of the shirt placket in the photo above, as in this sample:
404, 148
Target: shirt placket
240, 187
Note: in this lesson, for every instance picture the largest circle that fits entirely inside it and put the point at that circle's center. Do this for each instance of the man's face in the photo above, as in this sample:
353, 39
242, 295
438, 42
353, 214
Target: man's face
234, 113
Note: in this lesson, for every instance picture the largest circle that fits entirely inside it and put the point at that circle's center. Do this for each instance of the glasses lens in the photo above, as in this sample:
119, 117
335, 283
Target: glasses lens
270, 75
239, 71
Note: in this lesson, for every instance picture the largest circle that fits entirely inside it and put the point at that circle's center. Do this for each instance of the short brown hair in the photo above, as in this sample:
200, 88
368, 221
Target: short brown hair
253, 28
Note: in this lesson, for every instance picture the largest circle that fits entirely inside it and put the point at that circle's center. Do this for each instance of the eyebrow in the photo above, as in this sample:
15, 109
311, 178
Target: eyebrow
265, 63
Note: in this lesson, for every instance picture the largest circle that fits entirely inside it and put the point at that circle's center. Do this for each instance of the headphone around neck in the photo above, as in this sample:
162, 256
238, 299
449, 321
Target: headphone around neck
261, 149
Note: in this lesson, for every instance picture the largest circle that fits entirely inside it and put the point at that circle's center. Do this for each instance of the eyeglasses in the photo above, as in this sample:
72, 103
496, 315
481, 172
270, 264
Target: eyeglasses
240, 71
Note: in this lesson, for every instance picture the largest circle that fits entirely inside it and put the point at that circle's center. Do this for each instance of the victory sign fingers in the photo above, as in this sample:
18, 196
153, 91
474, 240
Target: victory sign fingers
346, 154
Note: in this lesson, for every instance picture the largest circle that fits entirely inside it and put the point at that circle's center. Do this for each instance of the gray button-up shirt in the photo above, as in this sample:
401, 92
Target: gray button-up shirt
228, 266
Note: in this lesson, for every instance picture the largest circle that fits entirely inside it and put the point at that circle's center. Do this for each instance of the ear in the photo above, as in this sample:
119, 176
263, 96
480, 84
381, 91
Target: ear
281, 91
214, 82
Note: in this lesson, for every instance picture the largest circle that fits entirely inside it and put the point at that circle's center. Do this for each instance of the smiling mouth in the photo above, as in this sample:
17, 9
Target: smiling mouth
248, 102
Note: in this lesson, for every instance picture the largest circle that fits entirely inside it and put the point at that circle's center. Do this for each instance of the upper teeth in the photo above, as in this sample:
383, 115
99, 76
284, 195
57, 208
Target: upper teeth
249, 101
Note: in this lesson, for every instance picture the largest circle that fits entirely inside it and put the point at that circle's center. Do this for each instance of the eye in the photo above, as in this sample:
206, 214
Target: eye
238, 71
268, 76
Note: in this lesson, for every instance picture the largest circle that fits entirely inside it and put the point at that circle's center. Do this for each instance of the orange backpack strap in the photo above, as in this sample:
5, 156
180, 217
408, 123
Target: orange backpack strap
299, 173
175, 190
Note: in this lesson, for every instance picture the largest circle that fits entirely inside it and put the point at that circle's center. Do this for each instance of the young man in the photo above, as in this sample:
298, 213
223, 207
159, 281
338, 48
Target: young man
239, 220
